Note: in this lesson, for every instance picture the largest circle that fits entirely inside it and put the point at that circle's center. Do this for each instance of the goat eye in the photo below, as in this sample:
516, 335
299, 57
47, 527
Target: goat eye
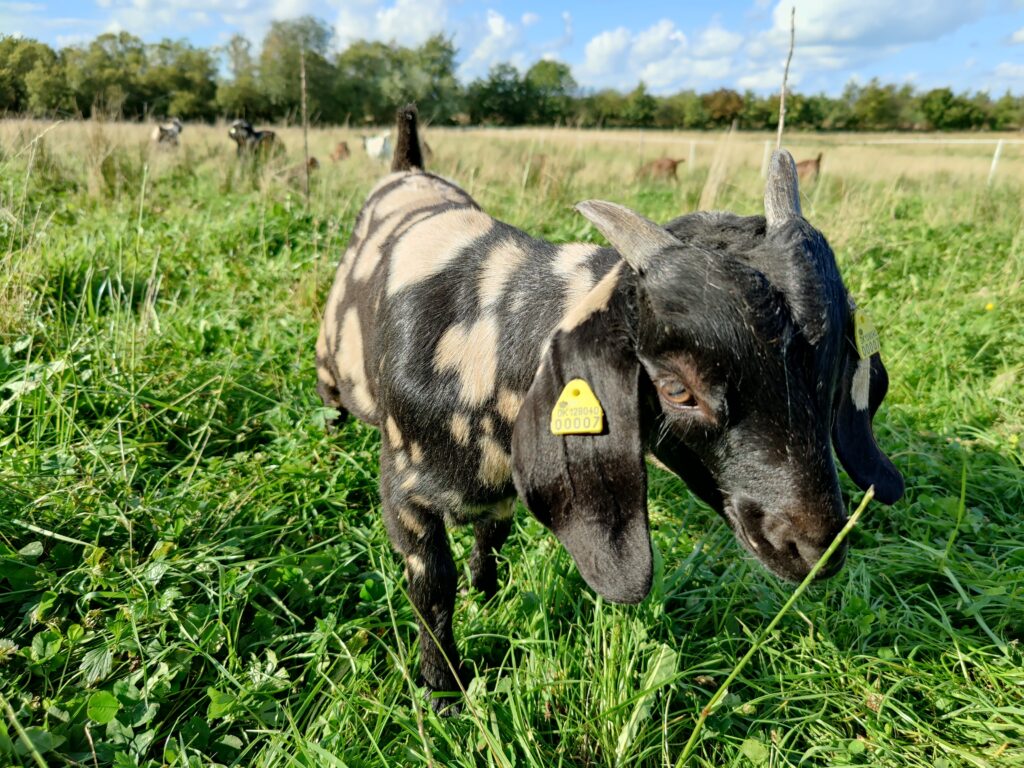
677, 394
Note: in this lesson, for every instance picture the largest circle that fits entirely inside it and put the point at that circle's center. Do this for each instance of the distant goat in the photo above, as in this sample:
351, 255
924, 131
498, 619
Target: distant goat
296, 175
722, 344
809, 169
378, 147
663, 168
254, 143
166, 134
341, 152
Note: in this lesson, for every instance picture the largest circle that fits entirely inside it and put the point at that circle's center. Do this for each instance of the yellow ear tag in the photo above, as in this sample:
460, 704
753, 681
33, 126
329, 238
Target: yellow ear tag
577, 411
865, 335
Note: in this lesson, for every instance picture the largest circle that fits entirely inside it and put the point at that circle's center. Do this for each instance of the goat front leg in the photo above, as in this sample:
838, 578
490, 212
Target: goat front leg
419, 536
490, 535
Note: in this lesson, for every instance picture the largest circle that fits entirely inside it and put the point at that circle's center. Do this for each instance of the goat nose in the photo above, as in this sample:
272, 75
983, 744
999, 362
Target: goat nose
790, 542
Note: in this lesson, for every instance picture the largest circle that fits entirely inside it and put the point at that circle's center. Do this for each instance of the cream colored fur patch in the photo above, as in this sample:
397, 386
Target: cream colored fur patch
429, 247
472, 352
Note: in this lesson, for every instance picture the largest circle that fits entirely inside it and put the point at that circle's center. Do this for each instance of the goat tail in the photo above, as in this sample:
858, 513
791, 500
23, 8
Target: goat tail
408, 154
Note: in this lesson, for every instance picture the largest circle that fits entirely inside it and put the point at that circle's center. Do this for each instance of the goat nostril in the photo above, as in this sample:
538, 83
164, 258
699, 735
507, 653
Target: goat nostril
794, 550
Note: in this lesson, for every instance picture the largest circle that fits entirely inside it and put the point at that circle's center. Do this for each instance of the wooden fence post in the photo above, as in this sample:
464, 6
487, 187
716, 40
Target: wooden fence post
995, 162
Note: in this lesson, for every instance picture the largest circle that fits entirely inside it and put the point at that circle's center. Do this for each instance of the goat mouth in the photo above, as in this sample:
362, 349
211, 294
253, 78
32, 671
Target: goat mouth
790, 562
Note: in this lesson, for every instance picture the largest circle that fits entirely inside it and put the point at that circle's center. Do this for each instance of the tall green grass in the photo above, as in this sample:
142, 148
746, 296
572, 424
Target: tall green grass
193, 573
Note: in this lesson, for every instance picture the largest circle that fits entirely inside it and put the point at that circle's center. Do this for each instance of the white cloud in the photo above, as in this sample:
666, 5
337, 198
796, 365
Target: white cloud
661, 56
63, 41
717, 41
606, 52
501, 42
1017, 38
407, 22
873, 22
767, 80
1010, 71
529, 19
550, 49
22, 8
657, 43
838, 35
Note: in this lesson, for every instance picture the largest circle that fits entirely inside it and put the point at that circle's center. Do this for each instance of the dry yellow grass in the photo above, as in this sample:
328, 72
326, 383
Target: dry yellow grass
866, 156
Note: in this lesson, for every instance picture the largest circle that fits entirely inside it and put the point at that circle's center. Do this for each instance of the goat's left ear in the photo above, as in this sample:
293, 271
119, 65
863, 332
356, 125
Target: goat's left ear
862, 388
590, 489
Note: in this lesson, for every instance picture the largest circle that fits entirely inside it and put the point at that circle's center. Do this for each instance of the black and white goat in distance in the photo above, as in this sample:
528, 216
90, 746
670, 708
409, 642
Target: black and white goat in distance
721, 344
167, 134
253, 143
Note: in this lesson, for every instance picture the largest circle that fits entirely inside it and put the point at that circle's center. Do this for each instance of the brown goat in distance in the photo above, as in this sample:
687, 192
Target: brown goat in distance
809, 169
341, 152
662, 168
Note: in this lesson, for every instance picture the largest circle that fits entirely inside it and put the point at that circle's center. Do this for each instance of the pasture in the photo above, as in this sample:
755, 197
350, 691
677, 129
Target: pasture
193, 573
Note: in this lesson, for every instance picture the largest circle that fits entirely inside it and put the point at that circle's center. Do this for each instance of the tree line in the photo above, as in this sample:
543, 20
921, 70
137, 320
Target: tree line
118, 75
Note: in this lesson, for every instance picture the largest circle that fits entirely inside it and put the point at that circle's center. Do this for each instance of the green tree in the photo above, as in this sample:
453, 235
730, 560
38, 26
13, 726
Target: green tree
179, 80
946, 111
428, 78
504, 98
48, 90
604, 108
553, 86
640, 107
18, 59
759, 112
367, 78
1008, 112
241, 95
280, 68
723, 106
105, 75
877, 107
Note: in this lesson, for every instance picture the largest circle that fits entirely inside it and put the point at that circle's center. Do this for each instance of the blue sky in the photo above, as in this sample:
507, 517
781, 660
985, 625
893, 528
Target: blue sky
966, 44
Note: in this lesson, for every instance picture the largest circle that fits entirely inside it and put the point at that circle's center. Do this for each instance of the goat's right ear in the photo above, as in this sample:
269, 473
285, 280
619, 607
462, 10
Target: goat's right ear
862, 387
590, 489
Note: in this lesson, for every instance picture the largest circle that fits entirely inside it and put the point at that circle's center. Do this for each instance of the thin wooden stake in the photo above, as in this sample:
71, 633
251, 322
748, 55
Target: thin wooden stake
995, 162
785, 77
305, 121
766, 158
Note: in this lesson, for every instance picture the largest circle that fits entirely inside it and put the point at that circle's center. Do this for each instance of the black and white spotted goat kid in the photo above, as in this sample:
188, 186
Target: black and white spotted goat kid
722, 344
167, 134
252, 142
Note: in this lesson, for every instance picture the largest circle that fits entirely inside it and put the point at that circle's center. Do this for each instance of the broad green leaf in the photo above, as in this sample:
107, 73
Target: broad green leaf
45, 645
103, 707
37, 740
755, 751
221, 703
96, 664
32, 550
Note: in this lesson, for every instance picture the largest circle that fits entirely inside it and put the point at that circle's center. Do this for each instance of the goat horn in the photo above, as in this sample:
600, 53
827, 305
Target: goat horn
635, 238
781, 191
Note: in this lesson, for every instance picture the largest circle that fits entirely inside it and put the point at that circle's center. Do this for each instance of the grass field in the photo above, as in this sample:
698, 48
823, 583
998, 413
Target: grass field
193, 573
